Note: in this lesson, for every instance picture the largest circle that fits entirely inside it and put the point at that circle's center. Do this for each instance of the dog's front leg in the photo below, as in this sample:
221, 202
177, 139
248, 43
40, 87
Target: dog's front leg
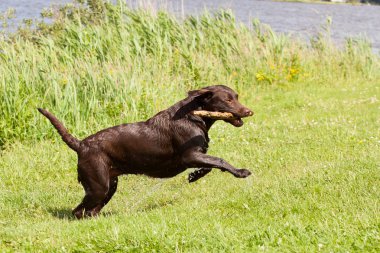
198, 159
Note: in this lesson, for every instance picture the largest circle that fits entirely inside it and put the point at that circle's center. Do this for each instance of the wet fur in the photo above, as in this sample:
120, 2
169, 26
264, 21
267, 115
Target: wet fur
163, 146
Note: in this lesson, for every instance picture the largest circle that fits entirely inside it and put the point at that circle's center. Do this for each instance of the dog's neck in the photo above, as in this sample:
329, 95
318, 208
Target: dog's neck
208, 122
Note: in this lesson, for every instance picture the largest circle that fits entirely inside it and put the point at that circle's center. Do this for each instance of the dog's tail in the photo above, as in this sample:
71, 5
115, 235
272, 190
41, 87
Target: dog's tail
70, 140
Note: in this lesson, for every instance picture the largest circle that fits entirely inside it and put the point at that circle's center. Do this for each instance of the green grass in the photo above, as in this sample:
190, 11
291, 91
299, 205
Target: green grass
314, 154
313, 145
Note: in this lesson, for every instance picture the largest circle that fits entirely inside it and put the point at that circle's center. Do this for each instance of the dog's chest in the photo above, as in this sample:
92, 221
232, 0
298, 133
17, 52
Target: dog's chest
188, 135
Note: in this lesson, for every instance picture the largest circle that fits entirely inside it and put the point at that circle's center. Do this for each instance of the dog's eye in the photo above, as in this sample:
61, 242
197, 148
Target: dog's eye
229, 100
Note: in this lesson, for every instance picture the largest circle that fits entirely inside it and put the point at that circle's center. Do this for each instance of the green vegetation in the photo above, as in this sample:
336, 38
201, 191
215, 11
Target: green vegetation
313, 145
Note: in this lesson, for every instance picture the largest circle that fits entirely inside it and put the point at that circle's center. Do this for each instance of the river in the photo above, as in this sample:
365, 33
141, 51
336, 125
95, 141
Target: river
298, 19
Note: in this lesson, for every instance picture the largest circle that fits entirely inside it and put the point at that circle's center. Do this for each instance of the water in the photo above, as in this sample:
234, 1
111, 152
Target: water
299, 19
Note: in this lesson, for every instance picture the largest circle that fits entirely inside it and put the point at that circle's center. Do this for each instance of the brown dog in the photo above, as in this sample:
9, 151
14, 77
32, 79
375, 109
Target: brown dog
163, 146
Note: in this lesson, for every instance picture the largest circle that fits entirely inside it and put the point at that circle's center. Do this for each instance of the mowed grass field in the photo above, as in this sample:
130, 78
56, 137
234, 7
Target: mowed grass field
313, 145
314, 154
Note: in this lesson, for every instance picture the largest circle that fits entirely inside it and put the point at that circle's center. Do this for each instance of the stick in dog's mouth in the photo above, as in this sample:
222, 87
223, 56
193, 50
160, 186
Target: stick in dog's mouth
214, 115
226, 116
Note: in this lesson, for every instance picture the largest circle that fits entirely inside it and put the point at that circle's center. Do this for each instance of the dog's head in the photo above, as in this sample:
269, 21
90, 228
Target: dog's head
220, 98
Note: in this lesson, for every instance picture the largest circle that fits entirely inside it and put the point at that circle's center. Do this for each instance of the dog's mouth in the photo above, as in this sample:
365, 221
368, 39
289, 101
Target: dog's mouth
237, 121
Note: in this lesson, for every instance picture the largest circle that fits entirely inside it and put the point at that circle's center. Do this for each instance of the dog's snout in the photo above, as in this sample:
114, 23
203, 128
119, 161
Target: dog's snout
247, 112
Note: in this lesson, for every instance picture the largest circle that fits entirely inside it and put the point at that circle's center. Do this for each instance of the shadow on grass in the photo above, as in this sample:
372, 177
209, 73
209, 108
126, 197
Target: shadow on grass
65, 214
62, 213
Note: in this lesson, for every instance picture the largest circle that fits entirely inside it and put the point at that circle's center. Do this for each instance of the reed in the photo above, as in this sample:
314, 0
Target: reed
99, 64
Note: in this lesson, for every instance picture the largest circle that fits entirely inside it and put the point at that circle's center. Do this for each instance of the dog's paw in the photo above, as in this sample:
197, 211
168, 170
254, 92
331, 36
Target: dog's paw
242, 173
197, 174
192, 177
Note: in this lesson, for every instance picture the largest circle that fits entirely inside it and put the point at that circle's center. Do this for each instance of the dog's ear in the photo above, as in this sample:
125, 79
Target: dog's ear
193, 102
202, 93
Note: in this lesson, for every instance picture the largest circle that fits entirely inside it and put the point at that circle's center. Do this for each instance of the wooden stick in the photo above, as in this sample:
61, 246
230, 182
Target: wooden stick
214, 115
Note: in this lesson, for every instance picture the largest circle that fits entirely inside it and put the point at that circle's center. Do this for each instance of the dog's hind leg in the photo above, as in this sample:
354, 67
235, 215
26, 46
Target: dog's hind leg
112, 189
96, 182
197, 174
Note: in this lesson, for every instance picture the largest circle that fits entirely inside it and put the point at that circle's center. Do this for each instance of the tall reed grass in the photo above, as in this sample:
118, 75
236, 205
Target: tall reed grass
98, 64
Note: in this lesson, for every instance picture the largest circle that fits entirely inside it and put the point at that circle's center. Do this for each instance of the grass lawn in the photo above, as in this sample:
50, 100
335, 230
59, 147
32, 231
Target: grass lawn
314, 154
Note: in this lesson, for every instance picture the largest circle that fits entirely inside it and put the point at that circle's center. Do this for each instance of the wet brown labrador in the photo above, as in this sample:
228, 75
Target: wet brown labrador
163, 146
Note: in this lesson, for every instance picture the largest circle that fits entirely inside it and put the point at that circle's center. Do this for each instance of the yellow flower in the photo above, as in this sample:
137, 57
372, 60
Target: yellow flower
293, 71
260, 77
63, 81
